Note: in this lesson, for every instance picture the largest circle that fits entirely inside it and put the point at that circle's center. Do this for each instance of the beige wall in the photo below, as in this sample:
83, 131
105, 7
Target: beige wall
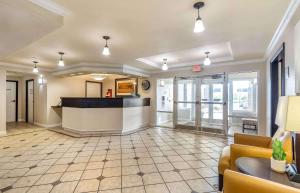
289, 36
2, 102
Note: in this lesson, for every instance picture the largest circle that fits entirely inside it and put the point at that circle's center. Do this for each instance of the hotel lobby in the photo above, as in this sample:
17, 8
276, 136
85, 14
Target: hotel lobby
149, 96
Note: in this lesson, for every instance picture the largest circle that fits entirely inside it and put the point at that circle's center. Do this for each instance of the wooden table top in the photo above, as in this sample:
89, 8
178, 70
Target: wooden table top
260, 167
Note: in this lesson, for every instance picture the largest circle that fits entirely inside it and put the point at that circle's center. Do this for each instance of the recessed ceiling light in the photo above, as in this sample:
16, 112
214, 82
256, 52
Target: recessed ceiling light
61, 62
199, 26
98, 77
106, 51
207, 60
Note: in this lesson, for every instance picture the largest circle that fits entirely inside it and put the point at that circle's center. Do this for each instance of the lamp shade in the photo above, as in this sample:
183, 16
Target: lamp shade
293, 114
288, 113
281, 112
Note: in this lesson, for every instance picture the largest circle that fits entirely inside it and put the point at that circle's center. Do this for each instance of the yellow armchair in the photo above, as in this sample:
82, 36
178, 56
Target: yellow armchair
235, 182
250, 146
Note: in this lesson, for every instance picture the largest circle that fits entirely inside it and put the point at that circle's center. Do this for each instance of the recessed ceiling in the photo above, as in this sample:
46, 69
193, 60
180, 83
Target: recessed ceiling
218, 53
143, 28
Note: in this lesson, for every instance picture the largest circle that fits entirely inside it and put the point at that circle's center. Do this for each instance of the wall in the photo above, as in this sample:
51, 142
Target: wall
259, 68
2, 102
289, 36
61, 87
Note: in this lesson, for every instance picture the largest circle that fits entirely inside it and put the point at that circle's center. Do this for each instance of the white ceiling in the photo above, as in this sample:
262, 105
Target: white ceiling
23, 23
153, 29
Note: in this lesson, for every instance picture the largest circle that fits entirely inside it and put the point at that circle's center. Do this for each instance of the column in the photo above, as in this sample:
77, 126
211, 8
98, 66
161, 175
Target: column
2, 102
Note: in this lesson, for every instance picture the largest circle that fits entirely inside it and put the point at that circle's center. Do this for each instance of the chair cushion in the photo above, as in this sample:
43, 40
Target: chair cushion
224, 161
247, 121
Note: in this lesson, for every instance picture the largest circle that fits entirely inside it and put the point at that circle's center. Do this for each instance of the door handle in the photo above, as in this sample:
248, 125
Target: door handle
13, 101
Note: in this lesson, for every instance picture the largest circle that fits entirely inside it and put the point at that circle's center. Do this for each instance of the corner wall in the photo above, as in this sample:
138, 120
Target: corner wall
289, 37
2, 102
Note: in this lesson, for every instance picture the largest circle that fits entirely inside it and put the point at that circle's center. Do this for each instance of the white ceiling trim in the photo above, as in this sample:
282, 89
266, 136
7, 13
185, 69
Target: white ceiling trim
215, 65
52, 6
99, 68
213, 61
289, 13
150, 63
20, 68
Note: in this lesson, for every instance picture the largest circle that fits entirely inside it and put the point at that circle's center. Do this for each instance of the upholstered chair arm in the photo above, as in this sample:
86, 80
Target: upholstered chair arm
253, 140
235, 182
237, 151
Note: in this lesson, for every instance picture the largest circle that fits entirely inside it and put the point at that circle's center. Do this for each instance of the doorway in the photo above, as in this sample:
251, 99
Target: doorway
164, 103
200, 102
277, 72
29, 101
93, 89
11, 101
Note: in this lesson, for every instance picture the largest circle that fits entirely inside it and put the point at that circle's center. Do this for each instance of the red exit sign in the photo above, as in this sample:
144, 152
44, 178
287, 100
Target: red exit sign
196, 68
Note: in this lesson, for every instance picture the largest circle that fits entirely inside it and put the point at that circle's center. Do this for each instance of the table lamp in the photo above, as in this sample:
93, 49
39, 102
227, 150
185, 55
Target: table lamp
288, 119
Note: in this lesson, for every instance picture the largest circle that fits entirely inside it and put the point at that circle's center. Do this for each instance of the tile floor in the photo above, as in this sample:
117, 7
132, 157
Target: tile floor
14, 128
157, 160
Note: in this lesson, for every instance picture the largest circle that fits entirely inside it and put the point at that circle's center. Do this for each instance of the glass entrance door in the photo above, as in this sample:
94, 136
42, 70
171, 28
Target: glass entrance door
201, 103
185, 102
213, 104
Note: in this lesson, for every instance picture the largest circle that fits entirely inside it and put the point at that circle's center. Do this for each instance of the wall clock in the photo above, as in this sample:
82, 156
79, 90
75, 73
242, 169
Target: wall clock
146, 84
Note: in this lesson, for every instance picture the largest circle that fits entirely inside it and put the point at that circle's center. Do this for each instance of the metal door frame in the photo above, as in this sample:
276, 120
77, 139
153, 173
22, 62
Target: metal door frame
197, 103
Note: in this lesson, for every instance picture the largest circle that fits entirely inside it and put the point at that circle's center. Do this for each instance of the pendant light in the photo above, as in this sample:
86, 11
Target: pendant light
207, 60
165, 66
35, 69
106, 51
199, 26
61, 62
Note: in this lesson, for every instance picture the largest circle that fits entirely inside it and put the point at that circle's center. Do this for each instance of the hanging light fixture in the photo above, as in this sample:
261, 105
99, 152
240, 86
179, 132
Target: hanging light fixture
207, 60
61, 62
199, 26
35, 69
165, 66
106, 51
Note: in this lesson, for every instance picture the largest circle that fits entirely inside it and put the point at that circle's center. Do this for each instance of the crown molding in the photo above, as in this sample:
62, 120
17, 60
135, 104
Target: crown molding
21, 68
99, 68
213, 61
52, 7
288, 15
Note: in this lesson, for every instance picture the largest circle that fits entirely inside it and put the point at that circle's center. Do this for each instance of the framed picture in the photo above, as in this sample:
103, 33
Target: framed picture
126, 87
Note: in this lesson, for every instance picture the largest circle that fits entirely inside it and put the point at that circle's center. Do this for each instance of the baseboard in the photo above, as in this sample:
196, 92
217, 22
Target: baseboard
3, 133
47, 125
75, 133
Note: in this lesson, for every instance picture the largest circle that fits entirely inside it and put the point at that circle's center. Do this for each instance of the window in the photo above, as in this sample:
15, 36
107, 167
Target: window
243, 93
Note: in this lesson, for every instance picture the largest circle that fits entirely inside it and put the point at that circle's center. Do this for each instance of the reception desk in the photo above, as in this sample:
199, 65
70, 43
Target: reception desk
100, 116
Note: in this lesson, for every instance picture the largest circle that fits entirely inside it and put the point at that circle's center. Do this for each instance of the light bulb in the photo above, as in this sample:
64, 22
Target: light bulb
61, 63
105, 51
164, 67
207, 61
199, 26
35, 70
